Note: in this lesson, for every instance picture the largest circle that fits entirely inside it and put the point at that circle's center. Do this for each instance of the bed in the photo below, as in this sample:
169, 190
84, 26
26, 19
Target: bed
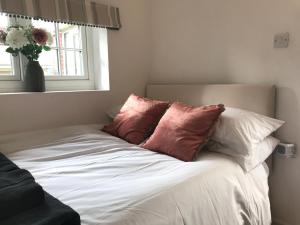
110, 182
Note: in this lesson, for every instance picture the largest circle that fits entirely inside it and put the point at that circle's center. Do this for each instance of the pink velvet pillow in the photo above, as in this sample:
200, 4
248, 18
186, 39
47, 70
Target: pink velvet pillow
137, 119
183, 130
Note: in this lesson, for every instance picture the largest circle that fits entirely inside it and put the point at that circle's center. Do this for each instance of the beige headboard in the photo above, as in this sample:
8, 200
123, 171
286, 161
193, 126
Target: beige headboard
256, 98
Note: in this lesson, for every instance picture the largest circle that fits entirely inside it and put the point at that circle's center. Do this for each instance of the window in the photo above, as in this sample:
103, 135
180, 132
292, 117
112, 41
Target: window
9, 65
66, 65
67, 58
6, 68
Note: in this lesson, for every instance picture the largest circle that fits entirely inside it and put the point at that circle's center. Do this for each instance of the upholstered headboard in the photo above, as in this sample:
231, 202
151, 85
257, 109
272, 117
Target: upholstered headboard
256, 98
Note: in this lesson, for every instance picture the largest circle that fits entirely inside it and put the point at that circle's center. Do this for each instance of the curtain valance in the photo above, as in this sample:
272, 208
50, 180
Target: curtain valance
81, 12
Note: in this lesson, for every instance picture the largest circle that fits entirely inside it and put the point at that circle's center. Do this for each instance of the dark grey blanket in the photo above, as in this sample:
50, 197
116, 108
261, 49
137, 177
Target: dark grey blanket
24, 202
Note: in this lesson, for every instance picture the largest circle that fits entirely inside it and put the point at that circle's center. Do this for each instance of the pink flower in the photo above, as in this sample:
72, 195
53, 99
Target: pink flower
40, 36
2, 36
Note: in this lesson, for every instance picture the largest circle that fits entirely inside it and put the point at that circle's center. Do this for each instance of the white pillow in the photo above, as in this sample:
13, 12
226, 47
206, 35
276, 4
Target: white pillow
261, 152
257, 155
240, 130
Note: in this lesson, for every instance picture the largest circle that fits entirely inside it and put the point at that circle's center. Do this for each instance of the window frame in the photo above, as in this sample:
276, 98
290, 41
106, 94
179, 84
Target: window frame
95, 65
85, 67
15, 62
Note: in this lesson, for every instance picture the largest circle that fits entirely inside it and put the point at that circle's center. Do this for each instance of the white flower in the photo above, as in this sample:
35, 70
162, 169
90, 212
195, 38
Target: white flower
16, 38
50, 39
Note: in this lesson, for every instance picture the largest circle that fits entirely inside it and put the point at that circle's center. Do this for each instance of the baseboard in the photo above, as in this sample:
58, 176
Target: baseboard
278, 222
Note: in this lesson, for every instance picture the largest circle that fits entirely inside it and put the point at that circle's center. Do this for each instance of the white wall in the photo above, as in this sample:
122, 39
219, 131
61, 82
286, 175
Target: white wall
129, 67
215, 41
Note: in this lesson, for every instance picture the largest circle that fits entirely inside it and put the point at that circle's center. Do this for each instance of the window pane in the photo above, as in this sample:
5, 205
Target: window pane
69, 36
48, 61
6, 62
49, 26
66, 57
3, 22
71, 63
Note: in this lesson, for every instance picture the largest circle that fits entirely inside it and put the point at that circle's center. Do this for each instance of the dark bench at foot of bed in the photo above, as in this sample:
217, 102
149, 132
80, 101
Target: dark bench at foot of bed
24, 202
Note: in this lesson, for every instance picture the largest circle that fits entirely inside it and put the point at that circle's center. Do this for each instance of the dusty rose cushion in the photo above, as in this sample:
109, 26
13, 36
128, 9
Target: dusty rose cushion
137, 119
183, 130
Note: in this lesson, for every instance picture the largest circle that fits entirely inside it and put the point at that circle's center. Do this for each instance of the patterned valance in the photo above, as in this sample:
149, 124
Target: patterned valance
81, 12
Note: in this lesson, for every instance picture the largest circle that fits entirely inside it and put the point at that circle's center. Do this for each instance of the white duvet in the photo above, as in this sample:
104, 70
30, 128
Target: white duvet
110, 182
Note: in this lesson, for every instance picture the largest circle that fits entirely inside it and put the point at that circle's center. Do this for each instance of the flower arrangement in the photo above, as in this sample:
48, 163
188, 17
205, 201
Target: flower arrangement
30, 41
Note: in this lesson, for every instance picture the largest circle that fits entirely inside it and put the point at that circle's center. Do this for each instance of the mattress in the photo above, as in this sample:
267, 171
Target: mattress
110, 182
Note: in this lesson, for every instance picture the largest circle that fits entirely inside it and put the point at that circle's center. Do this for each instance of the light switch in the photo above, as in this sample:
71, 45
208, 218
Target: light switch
281, 40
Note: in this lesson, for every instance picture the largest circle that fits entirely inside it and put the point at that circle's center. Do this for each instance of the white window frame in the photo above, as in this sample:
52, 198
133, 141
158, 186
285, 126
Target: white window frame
15, 63
16, 67
85, 75
70, 83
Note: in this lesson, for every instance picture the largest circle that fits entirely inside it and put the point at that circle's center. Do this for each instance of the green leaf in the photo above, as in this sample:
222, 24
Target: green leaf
46, 48
14, 52
10, 50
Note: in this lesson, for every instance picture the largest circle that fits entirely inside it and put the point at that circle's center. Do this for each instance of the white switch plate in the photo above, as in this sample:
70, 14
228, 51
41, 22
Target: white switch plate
281, 40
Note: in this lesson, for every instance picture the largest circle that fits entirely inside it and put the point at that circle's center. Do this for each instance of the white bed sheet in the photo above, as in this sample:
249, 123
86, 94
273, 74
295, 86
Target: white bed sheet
110, 182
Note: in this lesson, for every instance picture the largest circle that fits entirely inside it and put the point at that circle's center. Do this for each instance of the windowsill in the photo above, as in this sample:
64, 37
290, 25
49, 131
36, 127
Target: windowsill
52, 92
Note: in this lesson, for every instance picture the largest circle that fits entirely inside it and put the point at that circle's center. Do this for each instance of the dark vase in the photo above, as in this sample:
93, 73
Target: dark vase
34, 77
